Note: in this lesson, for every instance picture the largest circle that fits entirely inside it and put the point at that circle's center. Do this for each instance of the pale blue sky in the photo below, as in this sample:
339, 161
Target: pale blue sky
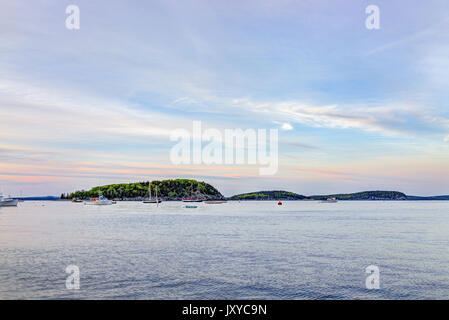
369, 109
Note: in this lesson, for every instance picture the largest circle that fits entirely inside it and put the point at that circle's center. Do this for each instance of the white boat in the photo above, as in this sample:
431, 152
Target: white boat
100, 201
329, 200
150, 199
8, 202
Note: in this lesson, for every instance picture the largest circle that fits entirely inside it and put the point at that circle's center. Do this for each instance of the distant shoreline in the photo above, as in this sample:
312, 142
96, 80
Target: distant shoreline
178, 189
377, 195
438, 198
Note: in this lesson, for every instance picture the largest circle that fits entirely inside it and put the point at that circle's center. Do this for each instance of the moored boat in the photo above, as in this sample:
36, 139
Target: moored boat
150, 198
329, 200
8, 202
193, 198
100, 201
215, 201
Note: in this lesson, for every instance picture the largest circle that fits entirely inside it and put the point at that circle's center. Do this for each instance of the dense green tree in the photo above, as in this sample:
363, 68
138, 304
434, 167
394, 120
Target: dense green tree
268, 195
168, 189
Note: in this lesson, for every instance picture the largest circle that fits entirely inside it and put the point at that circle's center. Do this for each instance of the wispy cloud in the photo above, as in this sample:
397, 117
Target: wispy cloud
36, 110
390, 119
434, 29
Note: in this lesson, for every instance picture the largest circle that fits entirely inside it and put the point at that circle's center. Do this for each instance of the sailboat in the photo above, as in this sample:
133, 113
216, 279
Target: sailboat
192, 198
150, 198
8, 202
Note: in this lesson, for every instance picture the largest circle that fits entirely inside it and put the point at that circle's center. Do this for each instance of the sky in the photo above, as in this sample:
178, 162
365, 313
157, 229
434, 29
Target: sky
356, 109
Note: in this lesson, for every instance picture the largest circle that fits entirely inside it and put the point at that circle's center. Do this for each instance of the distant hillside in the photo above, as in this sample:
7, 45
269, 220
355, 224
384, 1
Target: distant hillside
285, 195
366, 195
428, 198
38, 198
167, 189
268, 195
179, 188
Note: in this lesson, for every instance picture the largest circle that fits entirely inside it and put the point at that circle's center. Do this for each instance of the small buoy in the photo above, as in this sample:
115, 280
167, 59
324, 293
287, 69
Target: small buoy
280, 203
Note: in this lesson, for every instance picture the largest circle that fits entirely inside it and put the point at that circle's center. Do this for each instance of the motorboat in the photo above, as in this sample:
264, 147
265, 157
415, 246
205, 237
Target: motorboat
100, 201
329, 200
8, 202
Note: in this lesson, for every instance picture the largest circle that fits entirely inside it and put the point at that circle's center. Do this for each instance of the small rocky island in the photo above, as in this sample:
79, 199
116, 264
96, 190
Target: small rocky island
168, 190
365, 195
268, 195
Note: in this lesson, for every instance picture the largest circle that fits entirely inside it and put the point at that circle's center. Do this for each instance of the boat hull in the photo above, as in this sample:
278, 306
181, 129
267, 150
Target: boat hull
151, 201
9, 203
215, 201
99, 203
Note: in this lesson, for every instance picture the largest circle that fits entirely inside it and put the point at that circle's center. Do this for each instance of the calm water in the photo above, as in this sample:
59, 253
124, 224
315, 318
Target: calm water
302, 250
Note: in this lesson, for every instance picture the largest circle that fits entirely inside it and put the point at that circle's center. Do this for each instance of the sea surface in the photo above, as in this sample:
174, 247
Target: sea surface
237, 250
